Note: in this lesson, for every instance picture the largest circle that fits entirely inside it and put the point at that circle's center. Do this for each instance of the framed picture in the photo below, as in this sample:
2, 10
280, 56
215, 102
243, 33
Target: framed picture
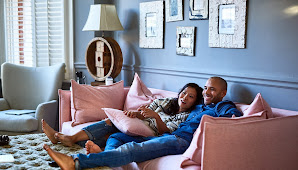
227, 23
174, 10
185, 41
198, 9
226, 19
151, 24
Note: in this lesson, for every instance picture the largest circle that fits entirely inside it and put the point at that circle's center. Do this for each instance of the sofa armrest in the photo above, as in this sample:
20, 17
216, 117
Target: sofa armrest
263, 144
64, 107
49, 112
3, 104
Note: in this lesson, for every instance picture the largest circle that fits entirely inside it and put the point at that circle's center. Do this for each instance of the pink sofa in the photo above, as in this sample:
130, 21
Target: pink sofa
261, 144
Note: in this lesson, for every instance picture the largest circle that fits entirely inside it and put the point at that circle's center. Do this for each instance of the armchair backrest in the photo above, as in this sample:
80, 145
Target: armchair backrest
26, 87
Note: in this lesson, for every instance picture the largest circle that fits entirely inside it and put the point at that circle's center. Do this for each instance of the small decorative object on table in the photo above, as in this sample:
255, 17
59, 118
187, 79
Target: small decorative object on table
4, 140
80, 78
109, 80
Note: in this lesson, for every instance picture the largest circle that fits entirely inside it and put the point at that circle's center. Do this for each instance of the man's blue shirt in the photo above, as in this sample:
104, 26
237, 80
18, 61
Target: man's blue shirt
221, 109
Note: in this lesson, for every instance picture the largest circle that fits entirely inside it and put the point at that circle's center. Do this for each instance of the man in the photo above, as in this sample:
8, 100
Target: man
122, 149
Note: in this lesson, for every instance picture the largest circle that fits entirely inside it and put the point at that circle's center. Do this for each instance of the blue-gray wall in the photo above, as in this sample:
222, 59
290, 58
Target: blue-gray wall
267, 65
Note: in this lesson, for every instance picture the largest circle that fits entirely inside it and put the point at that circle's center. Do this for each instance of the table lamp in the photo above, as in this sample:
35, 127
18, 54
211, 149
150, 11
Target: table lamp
103, 55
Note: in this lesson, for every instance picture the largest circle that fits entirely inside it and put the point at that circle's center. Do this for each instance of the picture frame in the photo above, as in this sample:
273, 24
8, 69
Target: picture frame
151, 24
227, 23
198, 9
174, 10
185, 41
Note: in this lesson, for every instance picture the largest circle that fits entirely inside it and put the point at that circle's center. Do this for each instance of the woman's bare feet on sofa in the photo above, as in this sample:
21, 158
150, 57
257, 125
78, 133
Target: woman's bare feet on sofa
64, 161
64, 139
50, 132
91, 147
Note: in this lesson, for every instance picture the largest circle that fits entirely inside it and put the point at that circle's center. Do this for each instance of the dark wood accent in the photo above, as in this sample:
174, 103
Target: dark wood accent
112, 50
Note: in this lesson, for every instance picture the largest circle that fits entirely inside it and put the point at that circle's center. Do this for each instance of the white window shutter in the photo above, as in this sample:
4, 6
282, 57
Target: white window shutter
49, 32
38, 35
19, 32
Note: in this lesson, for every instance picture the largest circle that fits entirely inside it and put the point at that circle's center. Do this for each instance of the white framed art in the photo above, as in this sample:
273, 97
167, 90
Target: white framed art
174, 10
185, 41
151, 24
198, 9
227, 23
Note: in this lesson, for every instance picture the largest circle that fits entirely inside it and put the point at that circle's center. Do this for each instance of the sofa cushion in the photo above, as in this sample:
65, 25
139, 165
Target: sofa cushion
68, 129
127, 125
193, 155
259, 104
87, 101
263, 144
283, 112
18, 123
138, 95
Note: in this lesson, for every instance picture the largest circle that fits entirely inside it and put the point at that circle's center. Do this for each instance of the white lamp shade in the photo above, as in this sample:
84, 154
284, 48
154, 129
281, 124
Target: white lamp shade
103, 17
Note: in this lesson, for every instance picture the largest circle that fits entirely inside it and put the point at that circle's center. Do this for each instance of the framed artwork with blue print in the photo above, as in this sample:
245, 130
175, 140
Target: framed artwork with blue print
174, 10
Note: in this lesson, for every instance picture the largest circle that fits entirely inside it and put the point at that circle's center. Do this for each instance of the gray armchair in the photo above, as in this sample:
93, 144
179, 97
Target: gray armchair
30, 88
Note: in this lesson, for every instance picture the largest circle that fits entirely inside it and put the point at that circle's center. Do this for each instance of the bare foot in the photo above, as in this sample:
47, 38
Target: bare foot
64, 139
91, 147
64, 161
50, 132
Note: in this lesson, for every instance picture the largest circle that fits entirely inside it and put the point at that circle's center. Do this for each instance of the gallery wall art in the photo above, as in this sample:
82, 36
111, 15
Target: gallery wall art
151, 24
174, 10
227, 23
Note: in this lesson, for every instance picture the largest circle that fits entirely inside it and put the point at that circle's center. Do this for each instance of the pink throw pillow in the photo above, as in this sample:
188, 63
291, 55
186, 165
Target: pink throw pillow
193, 155
127, 125
259, 104
87, 101
138, 95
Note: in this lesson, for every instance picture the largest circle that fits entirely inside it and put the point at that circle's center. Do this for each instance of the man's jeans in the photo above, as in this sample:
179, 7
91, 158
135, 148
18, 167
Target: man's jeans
122, 149
97, 133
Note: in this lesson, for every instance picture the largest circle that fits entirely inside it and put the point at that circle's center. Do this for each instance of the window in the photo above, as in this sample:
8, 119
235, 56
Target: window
39, 33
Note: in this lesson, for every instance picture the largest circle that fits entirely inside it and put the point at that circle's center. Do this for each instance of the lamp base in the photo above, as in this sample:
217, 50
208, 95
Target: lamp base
98, 83
110, 51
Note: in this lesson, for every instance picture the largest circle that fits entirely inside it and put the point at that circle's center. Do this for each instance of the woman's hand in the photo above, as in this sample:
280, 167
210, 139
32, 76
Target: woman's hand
131, 114
143, 107
148, 113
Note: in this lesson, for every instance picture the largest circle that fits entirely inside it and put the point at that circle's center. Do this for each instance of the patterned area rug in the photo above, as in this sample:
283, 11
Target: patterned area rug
28, 152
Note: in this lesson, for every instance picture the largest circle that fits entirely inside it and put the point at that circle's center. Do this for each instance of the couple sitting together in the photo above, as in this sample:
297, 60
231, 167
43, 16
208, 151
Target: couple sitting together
174, 121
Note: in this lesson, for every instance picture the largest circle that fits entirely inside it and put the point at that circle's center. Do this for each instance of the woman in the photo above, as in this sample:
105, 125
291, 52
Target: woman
162, 115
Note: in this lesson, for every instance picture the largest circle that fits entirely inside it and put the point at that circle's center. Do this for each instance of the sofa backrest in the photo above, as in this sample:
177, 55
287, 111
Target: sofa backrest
65, 102
276, 112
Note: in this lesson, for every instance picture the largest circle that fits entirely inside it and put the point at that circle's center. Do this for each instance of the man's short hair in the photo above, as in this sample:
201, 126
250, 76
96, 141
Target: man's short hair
222, 81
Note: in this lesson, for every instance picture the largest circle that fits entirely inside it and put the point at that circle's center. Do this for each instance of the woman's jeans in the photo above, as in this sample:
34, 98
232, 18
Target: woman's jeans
122, 149
97, 133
